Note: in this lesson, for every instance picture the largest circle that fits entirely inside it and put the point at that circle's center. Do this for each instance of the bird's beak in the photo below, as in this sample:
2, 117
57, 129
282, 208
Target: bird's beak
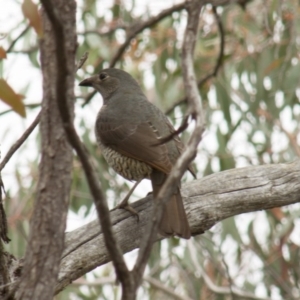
87, 82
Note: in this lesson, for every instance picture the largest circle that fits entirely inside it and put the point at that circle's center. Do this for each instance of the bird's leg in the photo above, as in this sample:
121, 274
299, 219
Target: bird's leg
124, 204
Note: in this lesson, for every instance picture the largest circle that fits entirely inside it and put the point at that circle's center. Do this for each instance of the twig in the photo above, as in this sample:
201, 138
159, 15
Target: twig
29, 130
216, 68
103, 33
99, 199
26, 51
82, 60
110, 280
184, 125
20, 141
17, 38
156, 283
33, 105
137, 28
190, 152
221, 53
3, 219
220, 290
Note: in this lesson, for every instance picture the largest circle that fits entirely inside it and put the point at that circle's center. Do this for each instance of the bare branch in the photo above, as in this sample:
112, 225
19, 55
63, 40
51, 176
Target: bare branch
22, 33
221, 53
189, 153
216, 69
207, 201
20, 141
137, 28
104, 32
152, 281
157, 284
3, 219
26, 51
219, 290
32, 105
184, 125
82, 60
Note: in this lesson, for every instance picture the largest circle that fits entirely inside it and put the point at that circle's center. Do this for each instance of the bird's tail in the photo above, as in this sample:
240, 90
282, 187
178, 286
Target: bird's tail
174, 220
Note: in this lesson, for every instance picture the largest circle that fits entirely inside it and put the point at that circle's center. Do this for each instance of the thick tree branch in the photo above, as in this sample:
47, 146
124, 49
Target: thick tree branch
207, 201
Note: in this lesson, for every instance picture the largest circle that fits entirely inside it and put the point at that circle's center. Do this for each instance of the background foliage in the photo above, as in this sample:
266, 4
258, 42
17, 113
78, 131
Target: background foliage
252, 109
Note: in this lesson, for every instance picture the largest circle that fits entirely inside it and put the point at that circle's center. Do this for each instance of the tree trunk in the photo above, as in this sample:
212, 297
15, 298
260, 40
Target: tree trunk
46, 239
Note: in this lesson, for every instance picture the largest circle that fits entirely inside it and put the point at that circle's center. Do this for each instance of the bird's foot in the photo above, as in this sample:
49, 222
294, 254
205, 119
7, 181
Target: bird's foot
126, 206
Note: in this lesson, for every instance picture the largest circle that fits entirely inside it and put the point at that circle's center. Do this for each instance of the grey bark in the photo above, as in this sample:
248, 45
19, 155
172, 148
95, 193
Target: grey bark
207, 201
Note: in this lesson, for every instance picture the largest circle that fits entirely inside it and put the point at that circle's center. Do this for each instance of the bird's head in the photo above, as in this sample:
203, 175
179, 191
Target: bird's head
110, 80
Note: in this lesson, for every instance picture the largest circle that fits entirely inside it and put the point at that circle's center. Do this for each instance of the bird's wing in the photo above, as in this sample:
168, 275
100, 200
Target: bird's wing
135, 141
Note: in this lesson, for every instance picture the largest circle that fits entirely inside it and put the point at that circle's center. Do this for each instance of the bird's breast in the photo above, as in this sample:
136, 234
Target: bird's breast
127, 167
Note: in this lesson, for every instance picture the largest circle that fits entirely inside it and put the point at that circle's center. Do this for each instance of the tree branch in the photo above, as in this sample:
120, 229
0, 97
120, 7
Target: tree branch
189, 153
23, 32
219, 290
216, 69
207, 201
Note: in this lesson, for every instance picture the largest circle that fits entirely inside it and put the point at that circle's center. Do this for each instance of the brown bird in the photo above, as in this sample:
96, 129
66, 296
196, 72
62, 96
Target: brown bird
127, 128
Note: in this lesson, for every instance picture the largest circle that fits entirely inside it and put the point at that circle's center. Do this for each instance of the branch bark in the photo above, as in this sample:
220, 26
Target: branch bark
47, 226
207, 201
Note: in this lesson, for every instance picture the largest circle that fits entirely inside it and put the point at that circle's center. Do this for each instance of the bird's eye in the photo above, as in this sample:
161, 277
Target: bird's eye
102, 76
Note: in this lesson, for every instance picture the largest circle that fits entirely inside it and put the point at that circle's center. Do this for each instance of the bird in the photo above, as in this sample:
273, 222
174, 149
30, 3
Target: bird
128, 130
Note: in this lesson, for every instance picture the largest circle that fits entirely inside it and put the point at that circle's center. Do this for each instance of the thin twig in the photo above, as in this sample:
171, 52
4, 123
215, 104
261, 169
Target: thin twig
82, 60
11, 46
156, 283
137, 28
3, 219
190, 152
219, 290
103, 33
26, 51
99, 199
217, 67
33, 105
184, 125
20, 141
